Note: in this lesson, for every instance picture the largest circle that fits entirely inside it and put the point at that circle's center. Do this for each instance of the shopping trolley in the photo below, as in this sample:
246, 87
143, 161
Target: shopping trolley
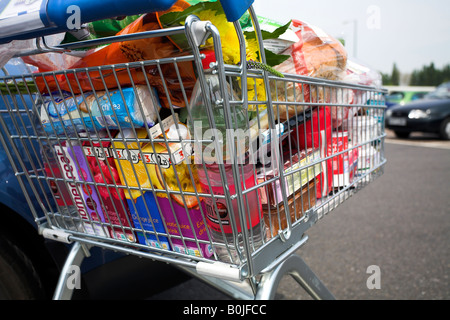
123, 157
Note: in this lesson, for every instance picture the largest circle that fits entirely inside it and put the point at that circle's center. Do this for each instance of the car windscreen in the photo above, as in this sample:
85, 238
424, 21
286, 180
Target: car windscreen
441, 92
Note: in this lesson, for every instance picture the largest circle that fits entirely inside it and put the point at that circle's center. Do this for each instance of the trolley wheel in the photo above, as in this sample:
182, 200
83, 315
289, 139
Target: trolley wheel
18, 278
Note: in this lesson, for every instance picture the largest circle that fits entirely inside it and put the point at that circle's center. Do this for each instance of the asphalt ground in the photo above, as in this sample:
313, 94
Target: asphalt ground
400, 223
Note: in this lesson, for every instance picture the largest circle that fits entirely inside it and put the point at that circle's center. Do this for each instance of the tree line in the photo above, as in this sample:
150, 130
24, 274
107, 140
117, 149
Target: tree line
428, 75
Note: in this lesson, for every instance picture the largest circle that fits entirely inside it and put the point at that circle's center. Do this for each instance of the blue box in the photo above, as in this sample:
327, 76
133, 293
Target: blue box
143, 221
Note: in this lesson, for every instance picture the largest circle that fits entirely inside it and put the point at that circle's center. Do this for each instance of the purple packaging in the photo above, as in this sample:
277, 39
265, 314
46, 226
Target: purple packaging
197, 223
85, 197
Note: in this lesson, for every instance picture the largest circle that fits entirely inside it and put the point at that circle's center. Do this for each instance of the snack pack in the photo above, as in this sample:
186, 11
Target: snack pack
114, 110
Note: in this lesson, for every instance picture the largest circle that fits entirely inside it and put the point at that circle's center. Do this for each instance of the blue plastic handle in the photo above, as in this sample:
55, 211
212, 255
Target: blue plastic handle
93, 10
234, 9
57, 16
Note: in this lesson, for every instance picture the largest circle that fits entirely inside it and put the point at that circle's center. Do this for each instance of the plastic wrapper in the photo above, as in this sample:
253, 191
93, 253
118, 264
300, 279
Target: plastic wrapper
9, 50
166, 74
132, 107
315, 54
359, 72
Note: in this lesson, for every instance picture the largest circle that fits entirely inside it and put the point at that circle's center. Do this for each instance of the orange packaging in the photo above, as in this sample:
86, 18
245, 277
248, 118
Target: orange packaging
124, 52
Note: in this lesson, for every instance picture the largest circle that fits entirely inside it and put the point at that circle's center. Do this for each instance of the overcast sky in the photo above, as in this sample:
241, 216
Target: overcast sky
410, 33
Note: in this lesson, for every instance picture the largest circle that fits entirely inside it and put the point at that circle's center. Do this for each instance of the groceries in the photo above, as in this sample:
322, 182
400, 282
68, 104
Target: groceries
104, 171
164, 170
209, 159
298, 204
345, 160
126, 108
151, 155
315, 54
84, 194
300, 176
317, 133
164, 77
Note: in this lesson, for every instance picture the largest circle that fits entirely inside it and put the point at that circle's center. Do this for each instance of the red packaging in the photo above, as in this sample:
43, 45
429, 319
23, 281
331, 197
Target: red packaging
344, 164
319, 136
102, 164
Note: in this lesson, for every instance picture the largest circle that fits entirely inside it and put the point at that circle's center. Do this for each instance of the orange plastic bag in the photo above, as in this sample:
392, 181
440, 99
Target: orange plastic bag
130, 51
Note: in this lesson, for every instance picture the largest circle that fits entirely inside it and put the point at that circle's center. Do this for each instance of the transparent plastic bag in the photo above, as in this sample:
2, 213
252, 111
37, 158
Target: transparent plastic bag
315, 54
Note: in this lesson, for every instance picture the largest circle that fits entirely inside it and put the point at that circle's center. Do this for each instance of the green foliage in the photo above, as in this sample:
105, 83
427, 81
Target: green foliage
395, 75
430, 76
392, 79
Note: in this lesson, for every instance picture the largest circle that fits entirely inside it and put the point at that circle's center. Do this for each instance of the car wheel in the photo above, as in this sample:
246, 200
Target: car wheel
402, 135
445, 129
18, 277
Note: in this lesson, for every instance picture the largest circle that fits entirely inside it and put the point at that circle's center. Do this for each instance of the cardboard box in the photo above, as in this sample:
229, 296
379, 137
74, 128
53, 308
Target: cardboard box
150, 161
141, 203
85, 197
145, 215
317, 133
114, 204
275, 216
295, 179
345, 164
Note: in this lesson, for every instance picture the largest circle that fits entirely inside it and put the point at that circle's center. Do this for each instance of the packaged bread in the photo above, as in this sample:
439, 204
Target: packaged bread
315, 54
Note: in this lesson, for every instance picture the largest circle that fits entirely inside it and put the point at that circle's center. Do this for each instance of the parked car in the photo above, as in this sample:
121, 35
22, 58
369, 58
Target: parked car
431, 114
30, 265
403, 97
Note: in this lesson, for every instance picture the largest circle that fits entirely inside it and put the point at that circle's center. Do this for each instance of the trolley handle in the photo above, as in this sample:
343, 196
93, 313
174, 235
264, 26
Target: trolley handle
22, 20
234, 9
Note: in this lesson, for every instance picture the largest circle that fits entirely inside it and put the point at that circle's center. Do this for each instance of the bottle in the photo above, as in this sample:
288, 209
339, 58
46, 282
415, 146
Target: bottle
207, 161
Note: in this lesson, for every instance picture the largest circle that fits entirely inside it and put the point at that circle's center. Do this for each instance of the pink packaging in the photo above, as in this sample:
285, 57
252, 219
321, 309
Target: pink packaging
344, 164
102, 166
